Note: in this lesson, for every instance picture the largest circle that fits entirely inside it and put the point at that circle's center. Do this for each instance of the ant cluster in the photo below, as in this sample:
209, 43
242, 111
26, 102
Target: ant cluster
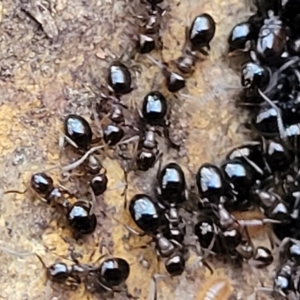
162, 222
266, 174
197, 40
159, 218
261, 174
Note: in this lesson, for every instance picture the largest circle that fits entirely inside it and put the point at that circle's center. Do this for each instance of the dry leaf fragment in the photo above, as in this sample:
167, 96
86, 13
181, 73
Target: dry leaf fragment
40, 13
101, 54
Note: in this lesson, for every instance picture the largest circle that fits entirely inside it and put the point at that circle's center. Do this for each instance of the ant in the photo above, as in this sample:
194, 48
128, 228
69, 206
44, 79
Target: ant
171, 185
78, 132
197, 36
149, 29
150, 219
201, 32
113, 120
228, 221
119, 79
148, 153
212, 238
174, 81
287, 275
110, 276
79, 215
152, 115
272, 45
98, 179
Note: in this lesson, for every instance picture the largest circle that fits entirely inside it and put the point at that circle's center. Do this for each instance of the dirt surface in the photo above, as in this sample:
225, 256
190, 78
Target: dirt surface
54, 56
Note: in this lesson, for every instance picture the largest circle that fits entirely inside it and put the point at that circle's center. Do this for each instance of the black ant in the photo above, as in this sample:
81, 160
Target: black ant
110, 276
287, 274
119, 78
152, 116
79, 215
197, 36
78, 132
171, 188
148, 152
112, 118
174, 81
149, 29
97, 175
173, 253
212, 238
201, 32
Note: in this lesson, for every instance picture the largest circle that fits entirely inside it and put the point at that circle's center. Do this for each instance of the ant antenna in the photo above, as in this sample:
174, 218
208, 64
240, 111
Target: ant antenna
41, 260
15, 192
125, 189
18, 254
108, 252
282, 131
93, 202
156, 62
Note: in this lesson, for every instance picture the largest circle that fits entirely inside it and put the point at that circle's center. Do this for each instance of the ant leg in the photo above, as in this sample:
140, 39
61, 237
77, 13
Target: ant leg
187, 38
61, 143
153, 286
131, 230
248, 238
92, 203
261, 289
64, 138
139, 111
283, 243
271, 239
125, 189
201, 258
204, 52
81, 160
159, 167
252, 164
159, 155
170, 143
180, 246
257, 222
41, 261
96, 140
129, 140
15, 192
152, 290
281, 127
64, 189
274, 78
107, 251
